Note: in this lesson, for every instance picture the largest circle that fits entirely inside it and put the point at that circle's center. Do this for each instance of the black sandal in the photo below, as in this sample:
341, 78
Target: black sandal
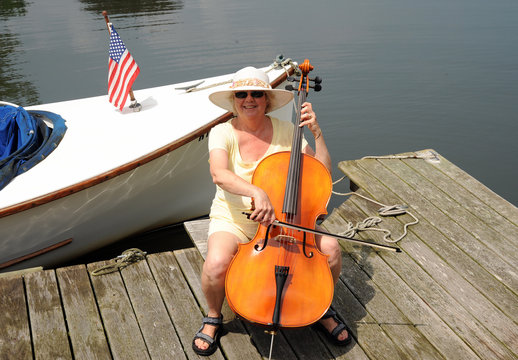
333, 335
213, 342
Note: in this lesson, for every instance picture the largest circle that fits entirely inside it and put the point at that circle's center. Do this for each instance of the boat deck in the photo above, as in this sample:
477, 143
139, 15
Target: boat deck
451, 293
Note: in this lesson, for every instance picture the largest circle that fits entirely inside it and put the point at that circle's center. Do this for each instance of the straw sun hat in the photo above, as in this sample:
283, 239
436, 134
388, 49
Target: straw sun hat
249, 79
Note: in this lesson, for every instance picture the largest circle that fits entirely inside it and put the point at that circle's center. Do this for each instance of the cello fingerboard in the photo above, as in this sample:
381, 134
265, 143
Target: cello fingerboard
293, 179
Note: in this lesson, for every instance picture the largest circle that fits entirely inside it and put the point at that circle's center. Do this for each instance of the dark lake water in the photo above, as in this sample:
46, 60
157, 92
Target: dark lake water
399, 75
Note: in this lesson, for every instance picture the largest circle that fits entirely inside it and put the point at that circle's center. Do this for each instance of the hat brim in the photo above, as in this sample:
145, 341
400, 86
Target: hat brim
277, 97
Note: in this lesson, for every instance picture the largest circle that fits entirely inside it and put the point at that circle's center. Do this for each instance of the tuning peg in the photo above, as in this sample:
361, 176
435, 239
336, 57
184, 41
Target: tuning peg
317, 80
316, 87
290, 87
291, 79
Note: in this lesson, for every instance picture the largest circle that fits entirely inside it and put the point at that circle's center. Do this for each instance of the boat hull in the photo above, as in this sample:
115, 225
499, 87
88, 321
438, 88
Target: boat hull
144, 198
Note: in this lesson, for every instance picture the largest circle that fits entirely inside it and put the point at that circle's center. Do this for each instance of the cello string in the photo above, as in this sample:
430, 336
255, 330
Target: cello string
291, 189
293, 184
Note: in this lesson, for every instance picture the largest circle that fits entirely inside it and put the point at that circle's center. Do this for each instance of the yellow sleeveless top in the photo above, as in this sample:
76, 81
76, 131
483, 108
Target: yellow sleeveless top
226, 206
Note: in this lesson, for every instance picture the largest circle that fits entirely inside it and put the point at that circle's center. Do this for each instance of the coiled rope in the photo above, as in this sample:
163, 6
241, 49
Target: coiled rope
128, 257
369, 223
385, 210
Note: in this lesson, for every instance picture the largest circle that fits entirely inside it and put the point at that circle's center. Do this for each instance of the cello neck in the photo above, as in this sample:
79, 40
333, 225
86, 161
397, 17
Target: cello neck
292, 183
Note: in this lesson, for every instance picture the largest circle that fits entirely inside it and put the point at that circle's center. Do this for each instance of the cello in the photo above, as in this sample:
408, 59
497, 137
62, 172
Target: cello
280, 278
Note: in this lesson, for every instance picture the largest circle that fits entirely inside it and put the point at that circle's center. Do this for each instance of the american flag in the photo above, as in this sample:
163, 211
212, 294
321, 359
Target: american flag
122, 70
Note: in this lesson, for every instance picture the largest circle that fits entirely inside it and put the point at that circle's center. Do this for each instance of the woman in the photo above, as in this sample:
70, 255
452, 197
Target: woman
236, 148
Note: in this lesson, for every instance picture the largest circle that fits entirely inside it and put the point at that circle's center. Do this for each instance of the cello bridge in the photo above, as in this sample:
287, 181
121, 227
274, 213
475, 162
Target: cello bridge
285, 239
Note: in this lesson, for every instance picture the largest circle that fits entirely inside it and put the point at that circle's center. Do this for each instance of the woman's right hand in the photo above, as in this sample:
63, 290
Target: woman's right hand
263, 211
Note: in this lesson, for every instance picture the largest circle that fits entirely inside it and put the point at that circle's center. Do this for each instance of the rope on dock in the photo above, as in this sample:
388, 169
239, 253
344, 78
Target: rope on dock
369, 223
128, 257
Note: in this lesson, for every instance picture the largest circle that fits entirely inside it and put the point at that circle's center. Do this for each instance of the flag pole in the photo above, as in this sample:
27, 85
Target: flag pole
134, 105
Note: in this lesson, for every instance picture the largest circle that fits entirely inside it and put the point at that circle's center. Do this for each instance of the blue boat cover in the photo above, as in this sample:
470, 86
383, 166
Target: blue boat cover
25, 139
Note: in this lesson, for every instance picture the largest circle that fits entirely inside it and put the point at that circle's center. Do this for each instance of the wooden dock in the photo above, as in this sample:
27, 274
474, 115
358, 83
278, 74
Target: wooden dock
450, 294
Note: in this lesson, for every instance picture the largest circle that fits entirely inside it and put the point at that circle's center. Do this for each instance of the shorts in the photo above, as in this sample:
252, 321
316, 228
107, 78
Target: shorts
244, 232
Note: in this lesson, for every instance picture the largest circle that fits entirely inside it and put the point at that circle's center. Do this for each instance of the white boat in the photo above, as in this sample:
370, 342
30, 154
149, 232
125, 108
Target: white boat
115, 173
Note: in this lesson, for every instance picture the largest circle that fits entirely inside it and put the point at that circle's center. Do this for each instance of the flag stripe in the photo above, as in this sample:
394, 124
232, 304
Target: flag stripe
111, 74
116, 84
131, 79
121, 81
122, 71
119, 72
125, 88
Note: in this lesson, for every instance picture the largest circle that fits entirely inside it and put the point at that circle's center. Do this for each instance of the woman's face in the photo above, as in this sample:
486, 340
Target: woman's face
251, 105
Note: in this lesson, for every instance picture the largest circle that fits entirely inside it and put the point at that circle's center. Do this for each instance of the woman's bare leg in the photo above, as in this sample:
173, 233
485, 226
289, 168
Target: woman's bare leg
221, 249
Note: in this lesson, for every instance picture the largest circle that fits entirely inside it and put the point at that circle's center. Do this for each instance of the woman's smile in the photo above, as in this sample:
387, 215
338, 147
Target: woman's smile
250, 105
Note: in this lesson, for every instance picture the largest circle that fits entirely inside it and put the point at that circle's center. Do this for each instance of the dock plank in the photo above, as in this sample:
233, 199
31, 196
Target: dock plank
306, 344
394, 323
120, 323
198, 231
372, 341
49, 333
155, 324
488, 196
458, 192
465, 326
449, 234
178, 298
476, 268
82, 315
444, 199
393, 284
236, 343
358, 174
409, 341
463, 266
15, 338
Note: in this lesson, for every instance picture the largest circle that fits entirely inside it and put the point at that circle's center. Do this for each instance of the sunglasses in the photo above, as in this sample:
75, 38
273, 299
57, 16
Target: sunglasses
244, 94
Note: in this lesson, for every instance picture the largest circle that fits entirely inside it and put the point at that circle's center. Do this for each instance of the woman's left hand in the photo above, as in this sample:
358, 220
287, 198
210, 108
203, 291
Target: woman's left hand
309, 118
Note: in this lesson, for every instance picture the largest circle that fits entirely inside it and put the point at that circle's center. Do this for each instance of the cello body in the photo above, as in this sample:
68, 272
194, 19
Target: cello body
252, 281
